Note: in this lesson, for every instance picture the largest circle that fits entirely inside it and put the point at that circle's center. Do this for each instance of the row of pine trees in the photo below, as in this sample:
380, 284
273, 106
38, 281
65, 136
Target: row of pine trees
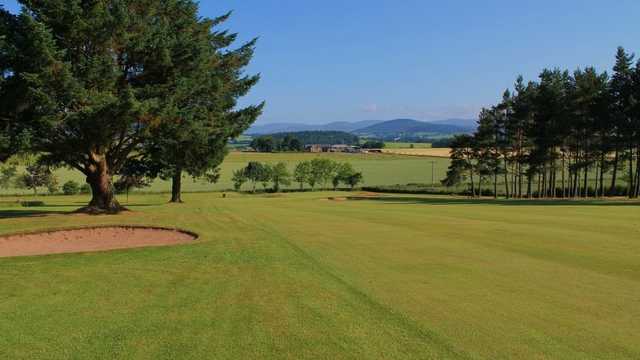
565, 135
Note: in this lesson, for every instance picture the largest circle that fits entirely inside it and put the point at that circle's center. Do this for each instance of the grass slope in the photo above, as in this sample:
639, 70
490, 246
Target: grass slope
299, 276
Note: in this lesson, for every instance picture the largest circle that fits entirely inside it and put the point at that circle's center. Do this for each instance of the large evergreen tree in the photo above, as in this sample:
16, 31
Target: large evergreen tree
201, 82
86, 84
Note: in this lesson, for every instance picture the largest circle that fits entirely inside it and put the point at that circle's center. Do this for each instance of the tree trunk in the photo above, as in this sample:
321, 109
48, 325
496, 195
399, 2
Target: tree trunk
564, 184
473, 188
520, 181
506, 180
630, 185
103, 199
602, 165
495, 184
637, 181
615, 173
586, 181
176, 186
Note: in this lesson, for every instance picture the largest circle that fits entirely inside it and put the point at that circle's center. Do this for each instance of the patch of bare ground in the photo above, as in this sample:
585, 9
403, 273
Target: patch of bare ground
90, 240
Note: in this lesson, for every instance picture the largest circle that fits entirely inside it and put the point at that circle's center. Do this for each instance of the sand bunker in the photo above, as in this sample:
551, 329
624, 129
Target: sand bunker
90, 239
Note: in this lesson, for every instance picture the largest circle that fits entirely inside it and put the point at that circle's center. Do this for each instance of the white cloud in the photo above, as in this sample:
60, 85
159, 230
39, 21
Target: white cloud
370, 108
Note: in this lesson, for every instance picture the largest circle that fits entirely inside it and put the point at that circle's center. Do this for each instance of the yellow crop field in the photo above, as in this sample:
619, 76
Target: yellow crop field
438, 152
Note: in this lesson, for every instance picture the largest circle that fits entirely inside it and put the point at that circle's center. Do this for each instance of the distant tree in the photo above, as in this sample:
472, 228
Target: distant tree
321, 171
343, 171
280, 176
34, 177
70, 188
302, 173
373, 144
462, 162
295, 141
354, 179
255, 172
239, 178
621, 108
53, 187
263, 144
266, 175
295, 145
7, 173
127, 182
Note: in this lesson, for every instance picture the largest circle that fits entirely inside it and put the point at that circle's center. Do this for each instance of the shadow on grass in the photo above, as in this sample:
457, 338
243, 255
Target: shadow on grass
27, 213
501, 202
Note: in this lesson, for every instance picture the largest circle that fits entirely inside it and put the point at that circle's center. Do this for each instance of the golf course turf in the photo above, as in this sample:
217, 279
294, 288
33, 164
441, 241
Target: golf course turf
302, 276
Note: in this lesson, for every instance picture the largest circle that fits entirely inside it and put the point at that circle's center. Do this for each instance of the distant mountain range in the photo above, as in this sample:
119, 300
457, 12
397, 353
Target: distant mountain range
295, 127
375, 128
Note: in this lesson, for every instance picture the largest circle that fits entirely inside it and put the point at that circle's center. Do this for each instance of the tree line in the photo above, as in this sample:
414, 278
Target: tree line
137, 88
314, 173
565, 135
295, 141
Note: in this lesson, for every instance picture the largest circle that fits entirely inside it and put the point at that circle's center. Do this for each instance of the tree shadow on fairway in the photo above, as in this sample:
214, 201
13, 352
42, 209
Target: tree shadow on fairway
501, 202
27, 213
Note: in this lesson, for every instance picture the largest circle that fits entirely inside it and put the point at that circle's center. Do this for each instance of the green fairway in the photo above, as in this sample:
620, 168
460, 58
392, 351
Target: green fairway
378, 169
300, 276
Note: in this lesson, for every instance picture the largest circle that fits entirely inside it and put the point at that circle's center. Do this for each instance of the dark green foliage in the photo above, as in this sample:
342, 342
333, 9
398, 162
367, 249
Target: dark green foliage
239, 178
130, 181
263, 144
373, 144
301, 173
127, 182
95, 85
354, 180
36, 176
85, 189
342, 173
202, 79
7, 173
70, 188
296, 141
562, 133
32, 203
280, 176
256, 172
312, 173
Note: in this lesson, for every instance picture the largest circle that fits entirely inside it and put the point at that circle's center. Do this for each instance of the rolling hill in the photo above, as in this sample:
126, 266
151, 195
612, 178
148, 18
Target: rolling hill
408, 127
391, 129
296, 127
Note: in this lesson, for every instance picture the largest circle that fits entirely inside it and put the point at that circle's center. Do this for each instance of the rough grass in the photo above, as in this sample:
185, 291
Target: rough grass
299, 276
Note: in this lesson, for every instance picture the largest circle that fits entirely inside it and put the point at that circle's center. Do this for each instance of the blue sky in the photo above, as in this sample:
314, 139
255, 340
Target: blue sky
352, 60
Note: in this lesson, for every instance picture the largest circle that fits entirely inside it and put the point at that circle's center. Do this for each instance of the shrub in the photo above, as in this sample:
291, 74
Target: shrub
85, 189
32, 203
70, 188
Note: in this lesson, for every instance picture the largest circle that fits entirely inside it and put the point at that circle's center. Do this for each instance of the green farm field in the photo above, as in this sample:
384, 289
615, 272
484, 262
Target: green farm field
378, 169
300, 276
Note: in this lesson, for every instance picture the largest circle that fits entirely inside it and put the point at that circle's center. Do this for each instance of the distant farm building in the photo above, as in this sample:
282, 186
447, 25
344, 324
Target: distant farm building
318, 148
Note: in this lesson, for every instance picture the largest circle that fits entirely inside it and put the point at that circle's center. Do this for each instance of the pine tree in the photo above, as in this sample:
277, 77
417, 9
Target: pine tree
621, 91
79, 81
201, 82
